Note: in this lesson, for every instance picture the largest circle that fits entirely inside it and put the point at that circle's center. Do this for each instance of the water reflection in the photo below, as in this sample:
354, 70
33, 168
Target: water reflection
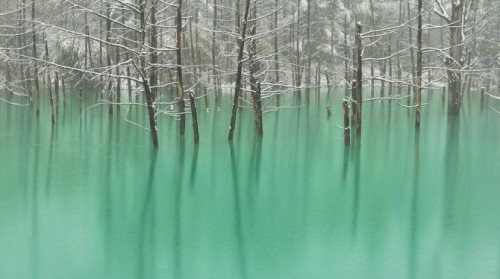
451, 175
177, 243
238, 226
194, 165
49, 161
295, 204
147, 217
413, 249
356, 145
35, 240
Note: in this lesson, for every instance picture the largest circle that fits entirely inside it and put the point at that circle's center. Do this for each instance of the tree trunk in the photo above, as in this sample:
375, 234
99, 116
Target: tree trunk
347, 130
237, 91
194, 116
63, 89
254, 68
308, 34
454, 64
214, 53
180, 85
25, 51
49, 85
147, 92
153, 79
346, 59
35, 58
418, 88
108, 54
56, 89
118, 79
390, 69
276, 54
298, 68
359, 77
412, 56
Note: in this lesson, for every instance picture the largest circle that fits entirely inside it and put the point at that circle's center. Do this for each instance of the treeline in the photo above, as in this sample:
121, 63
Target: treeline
179, 52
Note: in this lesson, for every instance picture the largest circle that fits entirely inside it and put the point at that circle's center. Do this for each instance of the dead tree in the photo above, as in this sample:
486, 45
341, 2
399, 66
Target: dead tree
237, 90
35, 58
347, 129
141, 71
358, 98
180, 85
49, 85
418, 80
254, 68
454, 62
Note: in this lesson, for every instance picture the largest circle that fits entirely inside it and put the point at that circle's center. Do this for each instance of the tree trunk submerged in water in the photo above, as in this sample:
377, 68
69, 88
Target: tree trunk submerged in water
454, 63
180, 88
237, 90
254, 84
359, 77
347, 129
49, 86
418, 80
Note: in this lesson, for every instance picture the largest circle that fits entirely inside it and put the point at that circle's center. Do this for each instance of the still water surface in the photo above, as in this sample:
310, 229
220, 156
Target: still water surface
90, 199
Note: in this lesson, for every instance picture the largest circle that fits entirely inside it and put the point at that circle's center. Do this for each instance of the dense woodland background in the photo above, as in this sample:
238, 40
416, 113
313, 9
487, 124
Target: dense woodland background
178, 53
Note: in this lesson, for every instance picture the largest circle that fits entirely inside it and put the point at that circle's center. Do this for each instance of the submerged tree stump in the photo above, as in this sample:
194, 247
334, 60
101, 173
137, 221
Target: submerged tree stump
483, 92
194, 116
347, 129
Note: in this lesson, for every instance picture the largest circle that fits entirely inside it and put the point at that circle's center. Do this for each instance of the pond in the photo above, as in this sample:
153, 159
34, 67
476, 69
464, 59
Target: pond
90, 198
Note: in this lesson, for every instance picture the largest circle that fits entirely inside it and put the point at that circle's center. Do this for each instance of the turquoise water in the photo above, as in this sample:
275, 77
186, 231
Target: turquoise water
90, 199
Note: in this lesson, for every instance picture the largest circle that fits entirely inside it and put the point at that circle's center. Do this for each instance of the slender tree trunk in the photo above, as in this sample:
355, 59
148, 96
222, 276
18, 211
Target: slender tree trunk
276, 53
308, 34
20, 48
108, 54
347, 130
237, 91
193, 56
383, 67
153, 79
390, 69
412, 55
194, 116
254, 68
118, 79
56, 89
35, 58
418, 89
214, 53
197, 40
101, 59
359, 77
49, 86
127, 57
63, 89
25, 50
454, 64
398, 60
147, 91
346, 59
8, 75
180, 85
298, 75
372, 70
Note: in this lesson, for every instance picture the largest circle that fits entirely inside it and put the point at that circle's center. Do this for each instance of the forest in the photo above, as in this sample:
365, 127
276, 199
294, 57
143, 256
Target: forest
249, 139
176, 55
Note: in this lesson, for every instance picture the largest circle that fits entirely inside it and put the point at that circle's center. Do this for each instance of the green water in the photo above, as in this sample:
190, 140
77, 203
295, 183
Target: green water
90, 199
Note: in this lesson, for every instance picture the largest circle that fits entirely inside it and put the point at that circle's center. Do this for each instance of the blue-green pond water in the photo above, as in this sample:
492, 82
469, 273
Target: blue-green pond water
91, 199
